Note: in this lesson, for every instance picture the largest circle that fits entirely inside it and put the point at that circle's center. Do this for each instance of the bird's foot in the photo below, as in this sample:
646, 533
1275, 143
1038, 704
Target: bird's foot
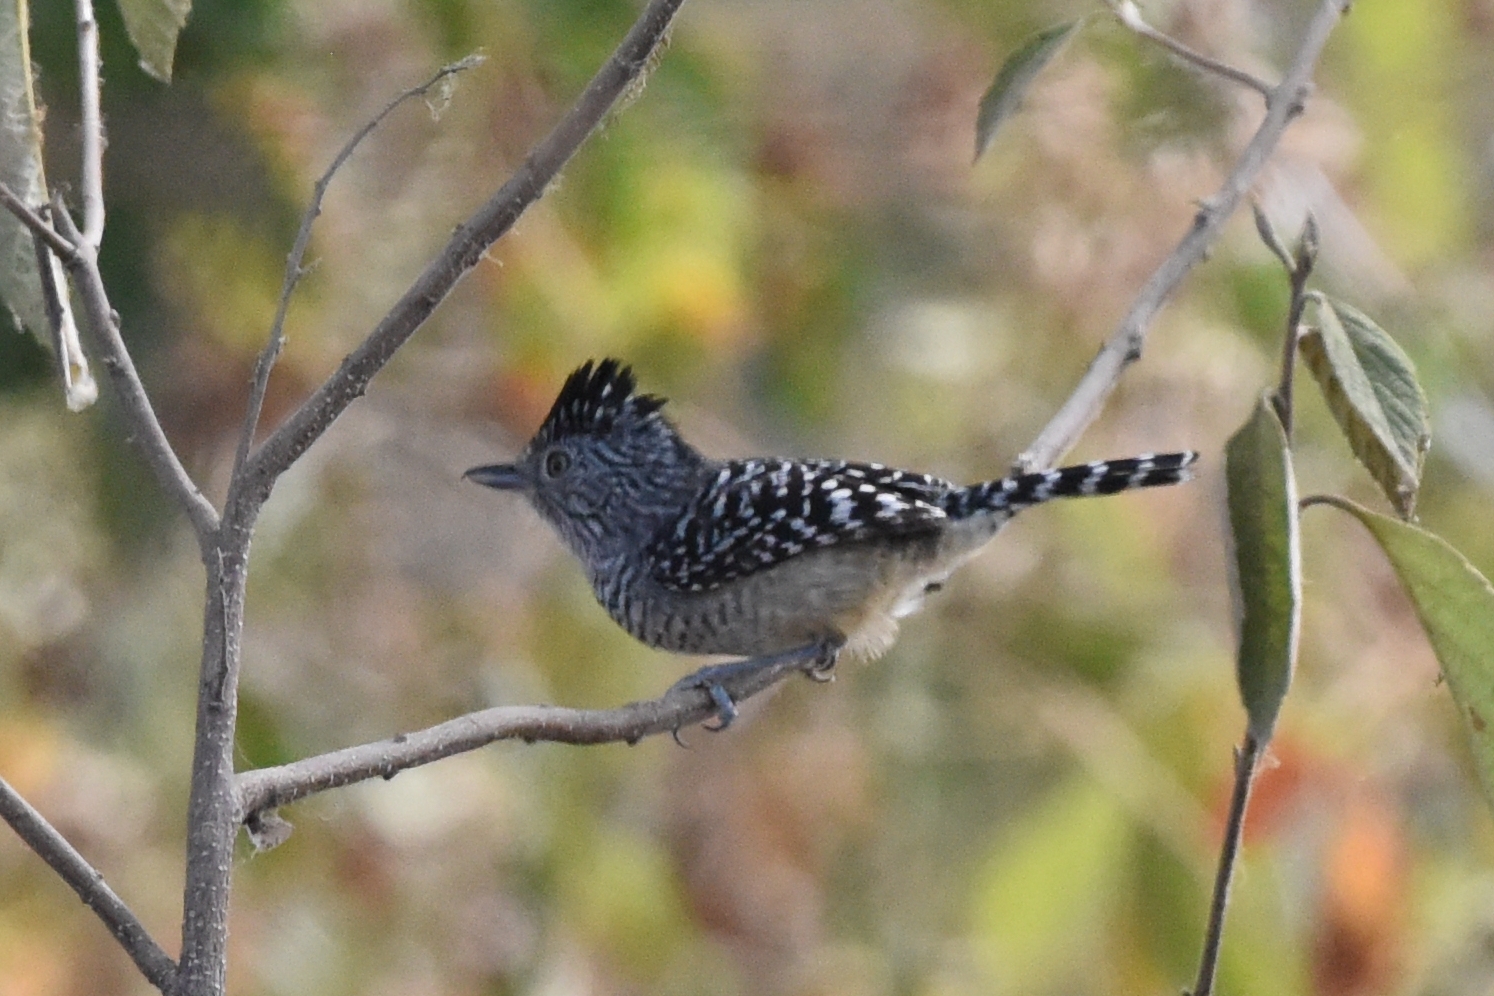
712, 680
816, 660
822, 667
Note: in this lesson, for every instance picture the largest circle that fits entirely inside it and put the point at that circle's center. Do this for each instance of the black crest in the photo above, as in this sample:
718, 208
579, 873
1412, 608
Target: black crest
595, 399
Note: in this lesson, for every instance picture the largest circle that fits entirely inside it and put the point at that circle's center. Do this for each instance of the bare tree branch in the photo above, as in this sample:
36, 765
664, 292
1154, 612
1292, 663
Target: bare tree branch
293, 268
1247, 758
677, 708
1302, 264
155, 964
92, 123
467, 246
1125, 344
146, 433
267, 788
212, 801
39, 226
1126, 12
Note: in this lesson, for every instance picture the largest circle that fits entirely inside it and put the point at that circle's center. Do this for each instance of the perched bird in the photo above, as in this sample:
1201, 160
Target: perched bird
759, 557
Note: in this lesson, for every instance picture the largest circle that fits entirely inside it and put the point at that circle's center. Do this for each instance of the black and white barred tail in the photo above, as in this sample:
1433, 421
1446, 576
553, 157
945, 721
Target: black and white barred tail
1102, 477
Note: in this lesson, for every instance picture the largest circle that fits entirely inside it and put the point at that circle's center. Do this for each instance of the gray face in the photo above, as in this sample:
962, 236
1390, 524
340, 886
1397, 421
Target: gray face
606, 470
569, 482
603, 494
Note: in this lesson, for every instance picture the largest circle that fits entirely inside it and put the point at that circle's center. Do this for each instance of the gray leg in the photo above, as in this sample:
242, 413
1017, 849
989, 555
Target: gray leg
817, 660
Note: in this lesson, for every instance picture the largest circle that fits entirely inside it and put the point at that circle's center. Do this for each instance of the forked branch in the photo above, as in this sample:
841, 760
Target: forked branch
472, 239
294, 263
1127, 13
100, 325
213, 806
1125, 344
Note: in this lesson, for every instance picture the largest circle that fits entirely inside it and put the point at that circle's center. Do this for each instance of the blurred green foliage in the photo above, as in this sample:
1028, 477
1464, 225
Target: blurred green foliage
784, 234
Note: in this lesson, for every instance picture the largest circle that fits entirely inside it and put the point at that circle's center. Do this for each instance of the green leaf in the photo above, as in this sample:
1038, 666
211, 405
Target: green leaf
153, 26
1267, 561
1455, 604
1011, 83
1372, 390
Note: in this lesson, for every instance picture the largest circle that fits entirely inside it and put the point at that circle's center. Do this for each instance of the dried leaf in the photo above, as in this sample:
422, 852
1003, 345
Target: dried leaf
1371, 388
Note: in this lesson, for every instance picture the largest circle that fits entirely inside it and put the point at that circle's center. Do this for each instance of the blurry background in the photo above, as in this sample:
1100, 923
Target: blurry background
785, 235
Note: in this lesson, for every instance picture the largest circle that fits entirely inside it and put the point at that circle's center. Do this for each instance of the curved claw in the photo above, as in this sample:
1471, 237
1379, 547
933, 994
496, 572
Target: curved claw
726, 709
817, 661
822, 668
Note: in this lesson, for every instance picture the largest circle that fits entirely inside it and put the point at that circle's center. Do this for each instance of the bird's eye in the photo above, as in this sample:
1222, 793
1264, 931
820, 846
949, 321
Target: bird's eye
557, 462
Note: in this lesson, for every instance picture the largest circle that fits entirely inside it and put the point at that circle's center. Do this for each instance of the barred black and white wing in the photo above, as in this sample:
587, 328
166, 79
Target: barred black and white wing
757, 513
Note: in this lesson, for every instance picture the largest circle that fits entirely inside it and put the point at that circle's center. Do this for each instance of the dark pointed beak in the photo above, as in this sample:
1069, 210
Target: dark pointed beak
503, 476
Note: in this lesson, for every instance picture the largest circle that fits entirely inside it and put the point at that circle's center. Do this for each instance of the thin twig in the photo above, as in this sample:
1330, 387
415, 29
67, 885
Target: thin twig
1245, 768
1301, 269
101, 324
1320, 499
1125, 344
53, 848
92, 122
293, 268
472, 239
678, 708
53, 286
1128, 14
39, 226
79, 389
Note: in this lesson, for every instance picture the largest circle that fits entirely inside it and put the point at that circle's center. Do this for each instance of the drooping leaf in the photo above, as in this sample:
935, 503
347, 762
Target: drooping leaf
48, 316
1371, 388
153, 26
1012, 81
1455, 604
1267, 563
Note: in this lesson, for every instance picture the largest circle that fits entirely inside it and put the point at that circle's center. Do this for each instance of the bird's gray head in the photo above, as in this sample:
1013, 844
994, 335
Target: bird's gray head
606, 468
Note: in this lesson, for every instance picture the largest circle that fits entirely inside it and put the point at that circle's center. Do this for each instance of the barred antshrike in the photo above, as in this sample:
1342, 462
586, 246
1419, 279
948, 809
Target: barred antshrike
763, 556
